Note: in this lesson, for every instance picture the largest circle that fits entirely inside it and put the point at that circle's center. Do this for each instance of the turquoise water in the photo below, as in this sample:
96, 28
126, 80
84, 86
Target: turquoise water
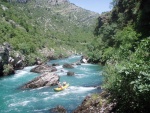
40, 100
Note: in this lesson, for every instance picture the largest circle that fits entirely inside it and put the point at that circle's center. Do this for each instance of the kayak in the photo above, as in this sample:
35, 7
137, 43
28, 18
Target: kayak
63, 87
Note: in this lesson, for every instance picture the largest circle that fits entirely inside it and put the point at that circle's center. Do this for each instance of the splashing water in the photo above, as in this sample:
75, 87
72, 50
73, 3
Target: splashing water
40, 100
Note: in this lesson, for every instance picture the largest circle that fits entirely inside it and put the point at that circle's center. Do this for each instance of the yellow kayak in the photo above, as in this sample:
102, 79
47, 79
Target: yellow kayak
63, 87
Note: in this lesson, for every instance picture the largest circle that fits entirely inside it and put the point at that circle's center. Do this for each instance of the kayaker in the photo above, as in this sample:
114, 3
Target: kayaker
59, 85
64, 83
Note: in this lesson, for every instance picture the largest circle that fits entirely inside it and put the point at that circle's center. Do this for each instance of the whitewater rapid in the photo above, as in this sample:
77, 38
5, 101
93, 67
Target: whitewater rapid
40, 100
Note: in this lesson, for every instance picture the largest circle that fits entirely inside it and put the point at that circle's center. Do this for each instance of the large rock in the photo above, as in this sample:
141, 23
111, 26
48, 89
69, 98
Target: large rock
69, 73
43, 68
67, 66
76, 63
38, 61
55, 64
84, 59
96, 103
46, 79
58, 109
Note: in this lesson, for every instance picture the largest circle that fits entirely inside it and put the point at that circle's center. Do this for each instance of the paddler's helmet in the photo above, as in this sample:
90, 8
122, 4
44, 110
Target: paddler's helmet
64, 83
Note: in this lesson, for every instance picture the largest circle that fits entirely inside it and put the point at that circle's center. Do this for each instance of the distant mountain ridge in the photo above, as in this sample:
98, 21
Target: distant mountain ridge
76, 14
52, 2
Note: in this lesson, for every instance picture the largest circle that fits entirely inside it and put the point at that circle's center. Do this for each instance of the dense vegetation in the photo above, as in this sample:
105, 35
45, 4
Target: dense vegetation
122, 39
35, 25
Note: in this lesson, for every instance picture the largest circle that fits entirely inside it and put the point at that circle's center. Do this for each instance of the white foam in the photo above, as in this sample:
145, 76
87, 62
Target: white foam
84, 69
19, 74
29, 68
69, 90
38, 88
62, 73
45, 93
80, 76
75, 89
24, 103
59, 67
21, 102
41, 110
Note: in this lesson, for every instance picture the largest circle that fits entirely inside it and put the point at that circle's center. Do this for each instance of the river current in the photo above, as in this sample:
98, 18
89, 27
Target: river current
41, 100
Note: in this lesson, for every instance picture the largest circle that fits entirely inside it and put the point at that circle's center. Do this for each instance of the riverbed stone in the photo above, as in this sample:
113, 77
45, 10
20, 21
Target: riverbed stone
46, 79
55, 64
43, 68
84, 59
58, 109
69, 73
66, 65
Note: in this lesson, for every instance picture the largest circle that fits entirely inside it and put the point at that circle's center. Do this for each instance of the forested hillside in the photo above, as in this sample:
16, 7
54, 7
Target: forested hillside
122, 43
31, 25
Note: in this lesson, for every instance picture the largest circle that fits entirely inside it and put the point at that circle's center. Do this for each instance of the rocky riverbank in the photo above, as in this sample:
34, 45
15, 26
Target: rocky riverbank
96, 103
11, 60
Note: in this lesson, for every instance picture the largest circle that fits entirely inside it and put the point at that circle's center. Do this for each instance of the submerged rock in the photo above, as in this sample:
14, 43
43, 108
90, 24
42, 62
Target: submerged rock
76, 63
43, 68
55, 64
67, 66
46, 79
70, 73
58, 109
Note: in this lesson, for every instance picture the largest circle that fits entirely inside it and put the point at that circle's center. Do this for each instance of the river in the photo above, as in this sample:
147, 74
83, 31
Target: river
40, 100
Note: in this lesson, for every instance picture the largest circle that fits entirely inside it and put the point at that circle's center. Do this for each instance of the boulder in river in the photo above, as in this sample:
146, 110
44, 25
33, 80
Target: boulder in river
69, 73
76, 63
58, 109
43, 68
55, 64
84, 59
66, 65
46, 79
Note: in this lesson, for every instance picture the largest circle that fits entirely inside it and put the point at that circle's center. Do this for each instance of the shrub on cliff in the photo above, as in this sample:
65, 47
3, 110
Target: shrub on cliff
8, 69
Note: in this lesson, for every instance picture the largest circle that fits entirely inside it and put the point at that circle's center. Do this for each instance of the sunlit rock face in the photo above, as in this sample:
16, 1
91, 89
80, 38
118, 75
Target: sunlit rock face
56, 2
